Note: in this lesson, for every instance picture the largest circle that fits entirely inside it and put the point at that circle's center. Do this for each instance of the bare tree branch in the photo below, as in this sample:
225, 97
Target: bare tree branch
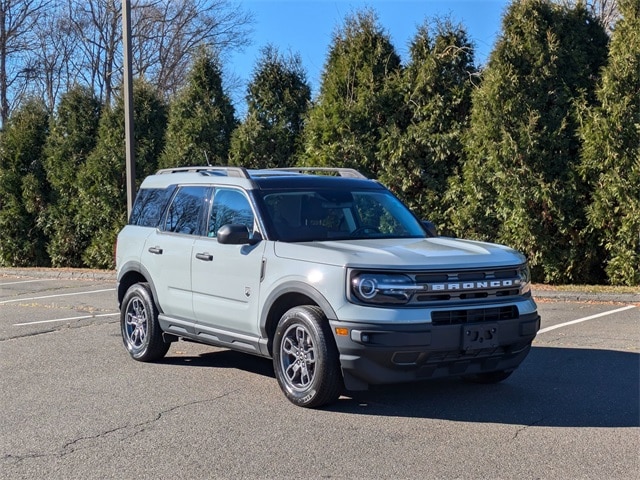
168, 33
606, 11
46, 47
18, 19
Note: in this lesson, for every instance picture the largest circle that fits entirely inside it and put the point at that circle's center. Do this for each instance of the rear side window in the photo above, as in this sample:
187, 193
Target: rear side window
149, 206
185, 214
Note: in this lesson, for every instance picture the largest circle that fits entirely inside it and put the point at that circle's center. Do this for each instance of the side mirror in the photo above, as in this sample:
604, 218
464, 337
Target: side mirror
235, 234
430, 228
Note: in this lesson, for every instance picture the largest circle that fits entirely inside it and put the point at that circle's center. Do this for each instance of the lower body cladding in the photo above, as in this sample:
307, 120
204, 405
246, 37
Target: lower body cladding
374, 354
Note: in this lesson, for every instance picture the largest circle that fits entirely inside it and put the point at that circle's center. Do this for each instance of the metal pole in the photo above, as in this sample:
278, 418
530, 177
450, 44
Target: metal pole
128, 106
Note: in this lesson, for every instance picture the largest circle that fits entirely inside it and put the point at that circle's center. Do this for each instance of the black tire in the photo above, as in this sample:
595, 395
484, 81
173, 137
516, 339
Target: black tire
305, 358
141, 333
489, 377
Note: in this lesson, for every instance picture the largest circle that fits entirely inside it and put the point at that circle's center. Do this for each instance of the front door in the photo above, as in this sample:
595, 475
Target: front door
226, 278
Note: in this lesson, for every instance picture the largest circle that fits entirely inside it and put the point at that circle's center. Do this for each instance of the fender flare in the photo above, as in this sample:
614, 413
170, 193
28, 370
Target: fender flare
294, 286
137, 267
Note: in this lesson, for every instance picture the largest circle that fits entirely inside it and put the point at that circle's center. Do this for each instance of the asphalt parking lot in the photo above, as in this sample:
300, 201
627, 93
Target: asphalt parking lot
74, 405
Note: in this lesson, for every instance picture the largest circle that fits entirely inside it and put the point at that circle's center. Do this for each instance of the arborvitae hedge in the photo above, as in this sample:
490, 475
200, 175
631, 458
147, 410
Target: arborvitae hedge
356, 101
73, 136
23, 187
520, 184
423, 149
548, 160
102, 210
278, 97
201, 118
611, 152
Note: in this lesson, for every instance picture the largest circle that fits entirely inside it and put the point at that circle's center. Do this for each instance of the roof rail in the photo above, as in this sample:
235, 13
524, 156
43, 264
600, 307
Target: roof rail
240, 172
343, 172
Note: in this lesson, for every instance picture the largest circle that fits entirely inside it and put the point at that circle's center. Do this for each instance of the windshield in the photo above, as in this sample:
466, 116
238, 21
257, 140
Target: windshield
309, 215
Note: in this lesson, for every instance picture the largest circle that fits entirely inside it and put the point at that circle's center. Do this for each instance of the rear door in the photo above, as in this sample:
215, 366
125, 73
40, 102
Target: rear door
167, 252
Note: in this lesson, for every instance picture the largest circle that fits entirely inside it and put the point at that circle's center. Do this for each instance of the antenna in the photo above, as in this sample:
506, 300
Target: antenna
206, 157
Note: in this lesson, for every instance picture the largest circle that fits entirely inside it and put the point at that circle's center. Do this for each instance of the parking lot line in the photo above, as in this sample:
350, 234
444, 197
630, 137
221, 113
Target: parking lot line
67, 319
591, 317
14, 300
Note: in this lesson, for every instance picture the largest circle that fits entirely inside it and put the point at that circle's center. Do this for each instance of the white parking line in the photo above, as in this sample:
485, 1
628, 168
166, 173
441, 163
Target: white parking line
66, 319
573, 322
55, 296
29, 281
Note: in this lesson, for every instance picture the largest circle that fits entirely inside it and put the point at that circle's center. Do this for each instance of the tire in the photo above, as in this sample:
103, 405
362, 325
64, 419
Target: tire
489, 377
305, 358
141, 333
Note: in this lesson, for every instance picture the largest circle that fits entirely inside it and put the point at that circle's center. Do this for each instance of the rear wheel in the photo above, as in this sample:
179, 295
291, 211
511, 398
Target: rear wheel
305, 358
141, 332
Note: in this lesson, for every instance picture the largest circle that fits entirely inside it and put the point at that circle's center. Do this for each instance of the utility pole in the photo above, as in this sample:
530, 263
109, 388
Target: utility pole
128, 106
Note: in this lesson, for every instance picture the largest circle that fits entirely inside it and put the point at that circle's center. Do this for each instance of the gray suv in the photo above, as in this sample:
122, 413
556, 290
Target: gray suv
322, 270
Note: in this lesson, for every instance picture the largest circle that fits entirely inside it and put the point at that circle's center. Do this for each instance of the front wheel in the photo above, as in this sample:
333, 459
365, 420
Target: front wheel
305, 358
141, 332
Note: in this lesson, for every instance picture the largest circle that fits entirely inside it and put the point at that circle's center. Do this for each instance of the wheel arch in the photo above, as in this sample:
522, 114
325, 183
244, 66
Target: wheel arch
130, 274
285, 297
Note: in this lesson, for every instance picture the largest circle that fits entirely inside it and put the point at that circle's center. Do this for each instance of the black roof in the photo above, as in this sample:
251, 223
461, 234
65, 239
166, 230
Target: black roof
304, 181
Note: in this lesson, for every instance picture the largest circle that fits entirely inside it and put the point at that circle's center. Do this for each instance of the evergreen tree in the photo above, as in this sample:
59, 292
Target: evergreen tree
278, 98
356, 100
423, 150
201, 118
102, 197
520, 184
73, 136
24, 187
611, 152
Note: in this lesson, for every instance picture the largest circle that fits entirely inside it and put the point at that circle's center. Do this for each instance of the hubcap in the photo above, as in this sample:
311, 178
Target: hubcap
136, 324
298, 357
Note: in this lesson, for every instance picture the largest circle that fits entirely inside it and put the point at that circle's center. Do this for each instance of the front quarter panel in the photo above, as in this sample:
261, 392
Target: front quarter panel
322, 283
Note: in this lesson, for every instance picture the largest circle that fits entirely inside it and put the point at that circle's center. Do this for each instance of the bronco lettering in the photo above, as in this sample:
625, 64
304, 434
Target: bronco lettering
447, 287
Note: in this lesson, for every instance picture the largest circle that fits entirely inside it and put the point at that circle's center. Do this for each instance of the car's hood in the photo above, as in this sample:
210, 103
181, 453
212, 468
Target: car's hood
409, 253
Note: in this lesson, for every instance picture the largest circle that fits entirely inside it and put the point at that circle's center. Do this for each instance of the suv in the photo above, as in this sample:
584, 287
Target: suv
322, 270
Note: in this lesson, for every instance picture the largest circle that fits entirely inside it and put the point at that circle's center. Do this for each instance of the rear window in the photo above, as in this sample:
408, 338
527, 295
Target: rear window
149, 206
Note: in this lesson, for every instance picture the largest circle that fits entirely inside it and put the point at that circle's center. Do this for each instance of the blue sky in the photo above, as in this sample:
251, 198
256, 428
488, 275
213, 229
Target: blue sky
306, 27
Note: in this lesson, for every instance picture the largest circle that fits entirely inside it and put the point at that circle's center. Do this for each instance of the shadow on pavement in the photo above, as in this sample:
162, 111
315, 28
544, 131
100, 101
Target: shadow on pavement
555, 387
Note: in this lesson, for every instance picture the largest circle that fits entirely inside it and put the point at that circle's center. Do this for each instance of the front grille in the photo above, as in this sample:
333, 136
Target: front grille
475, 315
466, 276
467, 285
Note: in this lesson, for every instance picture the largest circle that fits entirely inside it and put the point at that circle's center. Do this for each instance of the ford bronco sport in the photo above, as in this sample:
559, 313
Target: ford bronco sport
322, 270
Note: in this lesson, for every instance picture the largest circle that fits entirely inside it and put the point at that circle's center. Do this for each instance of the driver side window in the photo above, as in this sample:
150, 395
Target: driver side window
229, 207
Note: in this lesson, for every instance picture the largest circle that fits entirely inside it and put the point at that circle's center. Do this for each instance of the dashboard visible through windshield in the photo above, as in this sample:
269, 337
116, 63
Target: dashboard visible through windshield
322, 214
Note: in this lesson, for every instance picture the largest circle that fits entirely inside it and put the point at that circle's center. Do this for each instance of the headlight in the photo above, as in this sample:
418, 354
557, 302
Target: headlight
525, 280
382, 288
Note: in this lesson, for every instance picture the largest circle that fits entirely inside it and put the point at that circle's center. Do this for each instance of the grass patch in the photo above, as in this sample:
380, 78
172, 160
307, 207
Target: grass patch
586, 288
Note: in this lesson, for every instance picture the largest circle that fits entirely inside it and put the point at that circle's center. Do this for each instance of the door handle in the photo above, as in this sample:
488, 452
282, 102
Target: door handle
207, 257
155, 250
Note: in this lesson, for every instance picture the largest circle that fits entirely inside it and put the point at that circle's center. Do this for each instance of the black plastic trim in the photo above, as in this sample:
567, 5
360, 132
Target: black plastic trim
133, 266
393, 353
193, 331
294, 287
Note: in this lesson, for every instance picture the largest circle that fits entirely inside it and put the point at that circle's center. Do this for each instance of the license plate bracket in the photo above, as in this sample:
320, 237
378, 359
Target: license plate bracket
476, 337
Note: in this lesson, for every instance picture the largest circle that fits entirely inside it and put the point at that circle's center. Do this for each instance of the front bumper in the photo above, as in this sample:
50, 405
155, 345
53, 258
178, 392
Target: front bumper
373, 354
